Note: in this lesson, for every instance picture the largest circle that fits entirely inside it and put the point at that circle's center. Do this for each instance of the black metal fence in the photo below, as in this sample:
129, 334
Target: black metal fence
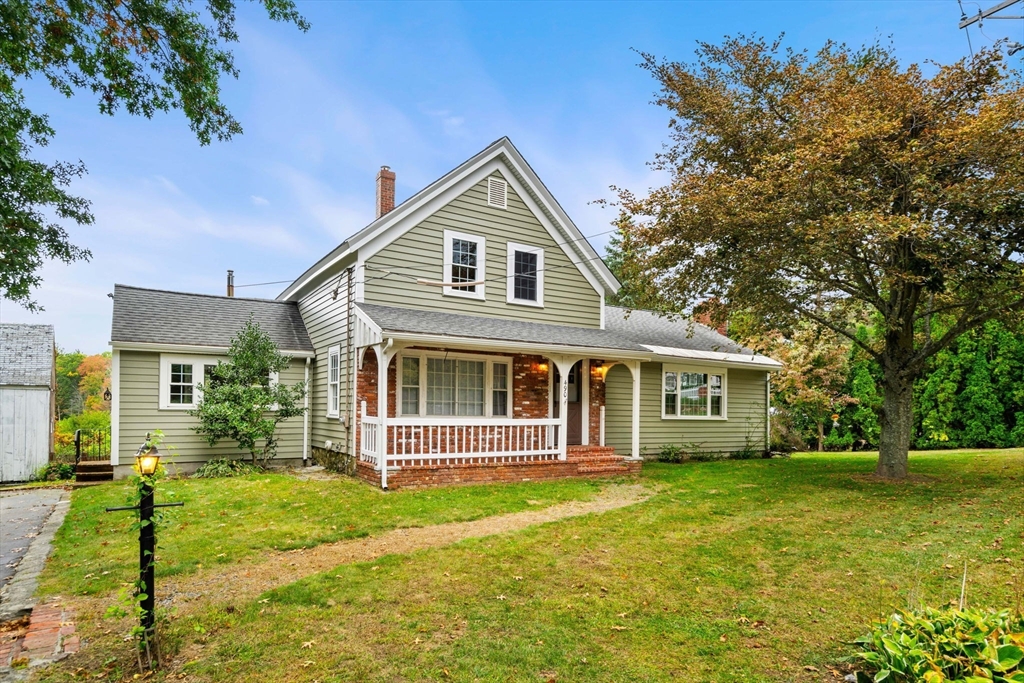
88, 445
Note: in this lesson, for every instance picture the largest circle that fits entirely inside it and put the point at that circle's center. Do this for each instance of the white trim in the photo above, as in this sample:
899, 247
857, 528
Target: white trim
481, 264
510, 281
115, 406
473, 343
187, 349
735, 359
768, 412
584, 396
440, 192
360, 281
635, 370
305, 415
198, 377
489, 362
704, 370
603, 323
497, 192
332, 353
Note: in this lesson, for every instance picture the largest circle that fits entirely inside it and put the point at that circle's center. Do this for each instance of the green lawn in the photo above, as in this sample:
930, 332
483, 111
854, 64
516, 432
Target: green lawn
227, 520
734, 571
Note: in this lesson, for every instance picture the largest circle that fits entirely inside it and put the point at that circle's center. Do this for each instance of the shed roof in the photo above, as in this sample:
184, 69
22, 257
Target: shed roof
26, 355
155, 316
625, 330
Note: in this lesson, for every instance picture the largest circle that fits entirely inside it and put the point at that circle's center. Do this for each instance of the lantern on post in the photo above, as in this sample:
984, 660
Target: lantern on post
147, 462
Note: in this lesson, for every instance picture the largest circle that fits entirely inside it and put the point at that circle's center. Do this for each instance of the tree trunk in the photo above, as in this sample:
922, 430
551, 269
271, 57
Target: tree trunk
897, 422
821, 436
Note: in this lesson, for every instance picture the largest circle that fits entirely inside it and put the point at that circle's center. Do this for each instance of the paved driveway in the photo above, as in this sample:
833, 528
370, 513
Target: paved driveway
22, 514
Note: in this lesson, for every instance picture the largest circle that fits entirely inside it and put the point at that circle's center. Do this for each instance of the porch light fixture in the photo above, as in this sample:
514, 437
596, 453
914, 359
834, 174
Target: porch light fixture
542, 367
107, 395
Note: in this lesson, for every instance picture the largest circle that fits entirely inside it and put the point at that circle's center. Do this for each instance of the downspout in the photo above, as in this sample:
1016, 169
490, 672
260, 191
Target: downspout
305, 420
768, 413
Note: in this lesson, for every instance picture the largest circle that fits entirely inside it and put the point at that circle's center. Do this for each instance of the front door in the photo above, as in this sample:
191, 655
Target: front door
574, 414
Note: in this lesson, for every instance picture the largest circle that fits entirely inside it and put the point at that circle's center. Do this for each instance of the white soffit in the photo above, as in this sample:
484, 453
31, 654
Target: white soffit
743, 359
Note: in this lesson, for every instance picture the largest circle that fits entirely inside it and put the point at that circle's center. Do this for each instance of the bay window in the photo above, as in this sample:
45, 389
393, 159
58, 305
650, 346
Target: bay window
693, 393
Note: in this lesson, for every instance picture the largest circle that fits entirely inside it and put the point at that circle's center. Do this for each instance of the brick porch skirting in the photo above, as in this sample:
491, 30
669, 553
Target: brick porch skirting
582, 461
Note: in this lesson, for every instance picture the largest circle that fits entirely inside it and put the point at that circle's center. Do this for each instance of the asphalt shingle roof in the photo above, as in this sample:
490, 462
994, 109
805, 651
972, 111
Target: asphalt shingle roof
645, 327
159, 317
625, 332
26, 355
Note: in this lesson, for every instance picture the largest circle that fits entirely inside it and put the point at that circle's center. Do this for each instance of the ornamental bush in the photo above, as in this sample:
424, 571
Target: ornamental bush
937, 645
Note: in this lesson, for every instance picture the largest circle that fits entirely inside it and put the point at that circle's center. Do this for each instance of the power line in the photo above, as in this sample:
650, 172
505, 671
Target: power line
391, 272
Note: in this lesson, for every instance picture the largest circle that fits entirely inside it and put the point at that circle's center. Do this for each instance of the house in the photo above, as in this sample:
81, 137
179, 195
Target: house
463, 335
28, 393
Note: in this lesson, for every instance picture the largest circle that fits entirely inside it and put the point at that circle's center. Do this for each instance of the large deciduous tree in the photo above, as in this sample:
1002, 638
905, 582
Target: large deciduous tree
813, 186
143, 55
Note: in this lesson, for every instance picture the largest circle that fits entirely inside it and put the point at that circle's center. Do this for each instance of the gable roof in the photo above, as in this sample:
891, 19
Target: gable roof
26, 355
155, 316
576, 246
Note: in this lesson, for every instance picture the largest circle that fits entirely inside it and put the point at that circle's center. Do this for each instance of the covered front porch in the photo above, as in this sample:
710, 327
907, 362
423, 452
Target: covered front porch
470, 412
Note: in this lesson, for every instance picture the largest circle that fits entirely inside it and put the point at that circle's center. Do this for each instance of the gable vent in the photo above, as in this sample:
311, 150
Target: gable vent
497, 193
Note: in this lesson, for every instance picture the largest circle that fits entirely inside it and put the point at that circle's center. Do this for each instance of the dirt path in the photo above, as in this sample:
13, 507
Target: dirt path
248, 580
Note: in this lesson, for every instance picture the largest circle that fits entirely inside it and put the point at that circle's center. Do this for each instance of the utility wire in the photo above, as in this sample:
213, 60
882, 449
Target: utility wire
967, 30
417, 277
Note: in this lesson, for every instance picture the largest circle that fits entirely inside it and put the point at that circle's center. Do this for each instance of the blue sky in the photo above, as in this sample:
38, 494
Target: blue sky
418, 86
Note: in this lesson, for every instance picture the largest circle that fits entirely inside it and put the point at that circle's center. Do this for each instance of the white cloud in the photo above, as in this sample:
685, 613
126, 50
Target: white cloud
259, 201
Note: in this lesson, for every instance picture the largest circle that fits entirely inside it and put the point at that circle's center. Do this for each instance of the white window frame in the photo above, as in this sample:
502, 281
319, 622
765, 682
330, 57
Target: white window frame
489, 362
166, 360
333, 352
704, 370
510, 267
497, 186
481, 264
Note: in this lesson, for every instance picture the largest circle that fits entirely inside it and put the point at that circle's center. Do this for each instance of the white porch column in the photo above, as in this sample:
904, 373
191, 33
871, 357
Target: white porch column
585, 401
564, 365
384, 356
634, 369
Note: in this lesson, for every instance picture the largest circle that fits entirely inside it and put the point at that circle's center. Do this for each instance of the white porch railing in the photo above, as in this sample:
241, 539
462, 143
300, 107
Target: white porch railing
369, 432
457, 440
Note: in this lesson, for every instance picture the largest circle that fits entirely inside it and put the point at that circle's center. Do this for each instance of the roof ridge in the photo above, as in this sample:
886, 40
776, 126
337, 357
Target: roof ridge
209, 296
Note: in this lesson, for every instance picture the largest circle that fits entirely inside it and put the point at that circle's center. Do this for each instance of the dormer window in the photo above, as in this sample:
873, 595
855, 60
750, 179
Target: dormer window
525, 275
464, 262
497, 193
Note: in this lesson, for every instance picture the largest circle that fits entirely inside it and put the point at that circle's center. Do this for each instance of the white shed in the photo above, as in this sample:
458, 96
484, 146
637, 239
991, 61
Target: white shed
27, 399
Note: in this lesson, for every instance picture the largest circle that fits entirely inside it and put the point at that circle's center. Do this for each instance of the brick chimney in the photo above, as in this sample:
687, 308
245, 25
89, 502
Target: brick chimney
385, 191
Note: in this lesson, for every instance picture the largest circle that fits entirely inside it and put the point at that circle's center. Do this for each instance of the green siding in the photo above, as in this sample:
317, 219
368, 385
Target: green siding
140, 413
745, 423
325, 319
569, 299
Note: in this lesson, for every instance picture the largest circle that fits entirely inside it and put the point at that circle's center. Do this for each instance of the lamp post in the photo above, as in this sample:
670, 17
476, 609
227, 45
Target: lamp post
147, 460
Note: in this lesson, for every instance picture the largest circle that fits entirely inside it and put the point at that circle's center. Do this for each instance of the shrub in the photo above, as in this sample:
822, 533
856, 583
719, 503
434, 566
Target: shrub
223, 467
55, 471
838, 440
671, 453
934, 645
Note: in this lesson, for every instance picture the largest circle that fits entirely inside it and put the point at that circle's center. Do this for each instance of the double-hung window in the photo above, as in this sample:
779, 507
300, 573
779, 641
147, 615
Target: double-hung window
525, 273
180, 380
464, 261
695, 393
455, 385
334, 381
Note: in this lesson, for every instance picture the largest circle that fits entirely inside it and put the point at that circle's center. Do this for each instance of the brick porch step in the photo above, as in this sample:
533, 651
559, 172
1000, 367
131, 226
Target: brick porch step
94, 471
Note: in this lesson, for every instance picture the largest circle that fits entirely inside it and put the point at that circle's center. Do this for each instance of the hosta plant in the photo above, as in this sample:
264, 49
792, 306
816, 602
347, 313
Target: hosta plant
936, 645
